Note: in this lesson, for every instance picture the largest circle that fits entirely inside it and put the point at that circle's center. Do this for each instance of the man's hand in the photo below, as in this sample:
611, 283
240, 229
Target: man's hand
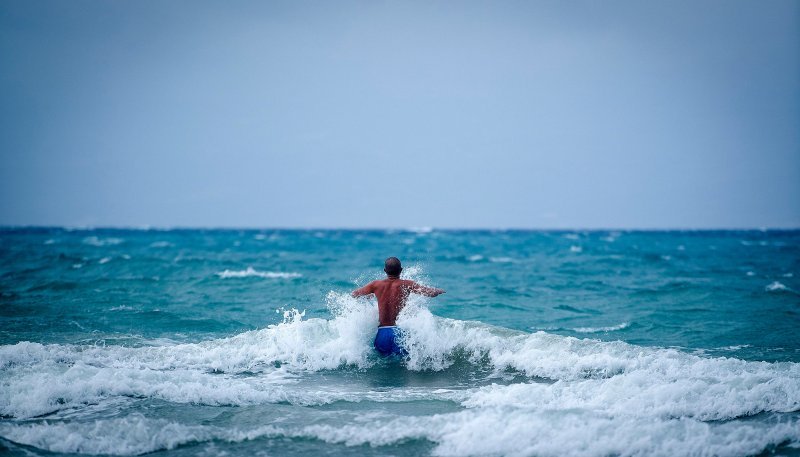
426, 291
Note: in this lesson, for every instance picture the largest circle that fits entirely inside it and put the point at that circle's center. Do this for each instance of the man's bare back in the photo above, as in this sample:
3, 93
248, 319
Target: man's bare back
392, 293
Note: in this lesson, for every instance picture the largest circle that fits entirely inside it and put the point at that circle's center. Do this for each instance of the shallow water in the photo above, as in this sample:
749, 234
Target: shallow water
596, 343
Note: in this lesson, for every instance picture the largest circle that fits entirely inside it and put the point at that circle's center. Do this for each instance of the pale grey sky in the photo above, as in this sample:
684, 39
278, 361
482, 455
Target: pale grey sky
618, 114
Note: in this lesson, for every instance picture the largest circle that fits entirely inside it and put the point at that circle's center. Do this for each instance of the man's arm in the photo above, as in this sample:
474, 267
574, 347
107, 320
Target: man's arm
422, 290
366, 290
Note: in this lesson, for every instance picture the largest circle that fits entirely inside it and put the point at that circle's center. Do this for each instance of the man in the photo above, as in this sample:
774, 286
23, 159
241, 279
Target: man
392, 293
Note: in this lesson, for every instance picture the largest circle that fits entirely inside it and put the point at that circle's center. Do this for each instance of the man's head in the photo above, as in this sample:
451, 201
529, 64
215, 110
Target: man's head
392, 266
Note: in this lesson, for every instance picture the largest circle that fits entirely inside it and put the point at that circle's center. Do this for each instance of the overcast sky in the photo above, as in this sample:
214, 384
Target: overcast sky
562, 114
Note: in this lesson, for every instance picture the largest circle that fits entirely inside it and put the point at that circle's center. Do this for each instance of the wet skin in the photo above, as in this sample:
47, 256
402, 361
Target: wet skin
392, 293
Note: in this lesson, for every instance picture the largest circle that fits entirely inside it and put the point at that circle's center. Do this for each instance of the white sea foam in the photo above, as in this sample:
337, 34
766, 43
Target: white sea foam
95, 241
475, 258
131, 435
37, 379
647, 394
516, 432
121, 308
491, 431
776, 286
601, 398
611, 328
104, 260
250, 272
575, 248
36, 393
735, 347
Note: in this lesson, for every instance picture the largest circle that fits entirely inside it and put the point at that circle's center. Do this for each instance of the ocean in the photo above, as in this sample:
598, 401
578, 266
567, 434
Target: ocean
547, 343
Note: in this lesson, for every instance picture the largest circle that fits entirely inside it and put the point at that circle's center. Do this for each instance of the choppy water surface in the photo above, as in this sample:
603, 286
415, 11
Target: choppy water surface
206, 342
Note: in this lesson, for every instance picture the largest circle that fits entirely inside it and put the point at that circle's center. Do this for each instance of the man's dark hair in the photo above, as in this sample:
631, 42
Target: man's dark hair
392, 266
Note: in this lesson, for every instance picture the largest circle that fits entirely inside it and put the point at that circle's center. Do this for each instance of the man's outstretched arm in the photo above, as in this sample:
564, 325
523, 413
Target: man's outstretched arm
366, 290
426, 291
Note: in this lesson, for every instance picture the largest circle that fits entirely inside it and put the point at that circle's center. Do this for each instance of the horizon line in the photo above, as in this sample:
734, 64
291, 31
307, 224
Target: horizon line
413, 229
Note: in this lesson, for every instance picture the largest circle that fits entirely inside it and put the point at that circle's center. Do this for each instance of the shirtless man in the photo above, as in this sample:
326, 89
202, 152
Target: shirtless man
392, 293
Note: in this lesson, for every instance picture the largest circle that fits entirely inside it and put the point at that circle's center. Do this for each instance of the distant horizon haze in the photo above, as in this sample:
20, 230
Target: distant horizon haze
418, 230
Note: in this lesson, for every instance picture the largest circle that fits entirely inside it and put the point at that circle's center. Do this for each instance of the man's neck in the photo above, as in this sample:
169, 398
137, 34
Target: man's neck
392, 276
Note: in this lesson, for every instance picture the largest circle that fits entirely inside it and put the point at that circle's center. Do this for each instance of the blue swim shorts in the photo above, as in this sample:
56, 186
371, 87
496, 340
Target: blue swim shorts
386, 341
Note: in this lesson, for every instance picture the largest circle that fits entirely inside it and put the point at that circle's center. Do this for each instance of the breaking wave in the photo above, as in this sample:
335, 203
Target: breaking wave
494, 431
37, 379
572, 396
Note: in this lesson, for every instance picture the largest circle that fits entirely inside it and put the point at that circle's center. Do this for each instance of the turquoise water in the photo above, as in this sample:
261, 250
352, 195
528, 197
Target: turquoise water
187, 342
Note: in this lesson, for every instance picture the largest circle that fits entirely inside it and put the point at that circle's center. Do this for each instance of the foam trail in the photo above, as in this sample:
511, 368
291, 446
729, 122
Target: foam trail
132, 435
493, 432
504, 432
251, 272
776, 287
611, 328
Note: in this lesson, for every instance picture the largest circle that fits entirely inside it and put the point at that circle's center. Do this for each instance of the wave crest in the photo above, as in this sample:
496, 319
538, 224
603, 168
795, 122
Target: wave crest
494, 431
250, 272
262, 366
610, 328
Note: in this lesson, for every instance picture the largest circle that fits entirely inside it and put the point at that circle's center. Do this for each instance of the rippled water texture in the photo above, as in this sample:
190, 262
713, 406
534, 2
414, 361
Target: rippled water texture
191, 342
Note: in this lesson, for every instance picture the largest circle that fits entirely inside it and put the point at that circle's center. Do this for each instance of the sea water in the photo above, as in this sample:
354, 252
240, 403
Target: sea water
547, 343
